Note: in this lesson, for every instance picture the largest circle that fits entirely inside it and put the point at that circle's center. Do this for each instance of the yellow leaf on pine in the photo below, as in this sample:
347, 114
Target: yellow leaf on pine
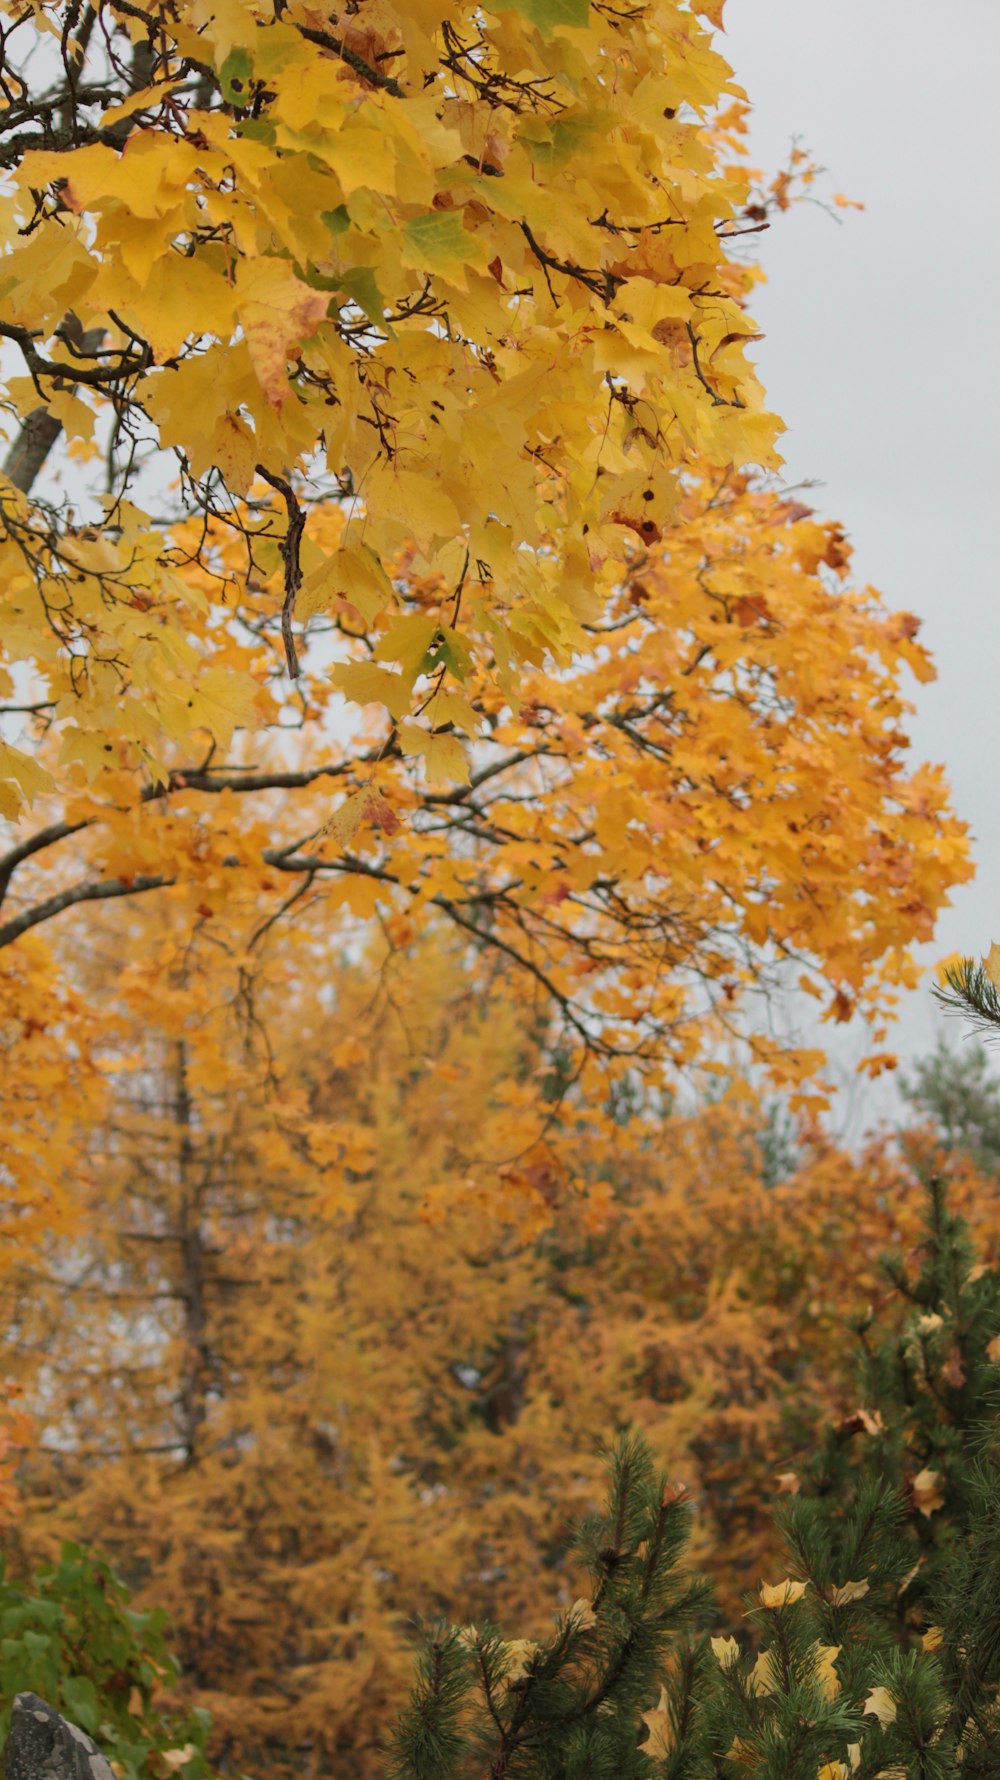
927, 1493
520, 1653
726, 1651
881, 1705
763, 1675
781, 1594
827, 1679
660, 1741
846, 1593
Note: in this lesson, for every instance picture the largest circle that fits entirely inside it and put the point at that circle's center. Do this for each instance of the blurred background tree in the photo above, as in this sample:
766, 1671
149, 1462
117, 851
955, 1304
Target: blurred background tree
343, 1322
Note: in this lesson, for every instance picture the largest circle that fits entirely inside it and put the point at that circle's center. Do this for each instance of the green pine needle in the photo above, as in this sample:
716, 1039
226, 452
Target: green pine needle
969, 991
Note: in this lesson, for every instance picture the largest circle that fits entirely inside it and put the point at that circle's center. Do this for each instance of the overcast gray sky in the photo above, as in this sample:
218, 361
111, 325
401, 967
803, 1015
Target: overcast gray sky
882, 353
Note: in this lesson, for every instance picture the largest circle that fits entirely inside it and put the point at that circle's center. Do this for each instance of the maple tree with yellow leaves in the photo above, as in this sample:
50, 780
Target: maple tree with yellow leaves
385, 520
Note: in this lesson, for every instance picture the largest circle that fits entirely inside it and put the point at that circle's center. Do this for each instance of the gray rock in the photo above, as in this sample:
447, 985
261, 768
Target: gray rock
43, 1745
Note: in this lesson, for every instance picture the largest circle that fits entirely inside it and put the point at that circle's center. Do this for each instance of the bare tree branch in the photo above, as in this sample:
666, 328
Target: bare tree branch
94, 891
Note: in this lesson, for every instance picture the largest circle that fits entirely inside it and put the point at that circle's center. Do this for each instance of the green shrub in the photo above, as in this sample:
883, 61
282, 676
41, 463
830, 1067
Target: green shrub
71, 1637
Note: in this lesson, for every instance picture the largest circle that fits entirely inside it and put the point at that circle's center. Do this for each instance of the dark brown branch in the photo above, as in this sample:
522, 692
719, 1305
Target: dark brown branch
197, 779
200, 780
290, 557
528, 964
61, 370
338, 47
461, 792
99, 891
282, 909
35, 843
603, 284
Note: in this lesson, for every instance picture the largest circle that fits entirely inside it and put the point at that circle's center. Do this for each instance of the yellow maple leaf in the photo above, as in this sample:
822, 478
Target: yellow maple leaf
781, 1594
77, 418
519, 1654
222, 701
277, 313
362, 808
145, 98
407, 641
364, 683
351, 573
31, 779
827, 1679
881, 1705
846, 1593
726, 1651
926, 1490
764, 1675
443, 755
235, 451
417, 506
660, 1741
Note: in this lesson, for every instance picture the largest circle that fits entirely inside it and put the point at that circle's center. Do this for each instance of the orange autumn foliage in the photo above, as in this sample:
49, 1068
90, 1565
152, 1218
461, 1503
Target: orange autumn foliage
715, 793
317, 1378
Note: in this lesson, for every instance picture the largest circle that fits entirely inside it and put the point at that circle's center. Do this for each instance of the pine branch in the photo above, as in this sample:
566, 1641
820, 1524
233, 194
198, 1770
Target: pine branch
968, 990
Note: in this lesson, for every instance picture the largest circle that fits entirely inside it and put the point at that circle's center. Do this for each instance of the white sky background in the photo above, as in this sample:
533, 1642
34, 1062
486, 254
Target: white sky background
882, 356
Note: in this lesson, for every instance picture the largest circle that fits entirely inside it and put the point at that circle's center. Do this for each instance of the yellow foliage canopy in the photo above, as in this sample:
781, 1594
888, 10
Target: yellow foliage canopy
411, 553
470, 274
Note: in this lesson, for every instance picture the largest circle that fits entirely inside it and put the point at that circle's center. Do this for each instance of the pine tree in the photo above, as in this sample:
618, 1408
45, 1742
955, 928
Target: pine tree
929, 1386
876, 1658
570, 1706
893, 1611
960, 1095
